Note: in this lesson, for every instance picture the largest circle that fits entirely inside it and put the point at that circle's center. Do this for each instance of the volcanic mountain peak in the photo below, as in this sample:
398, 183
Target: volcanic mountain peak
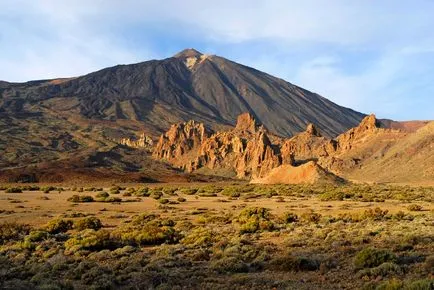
188, 52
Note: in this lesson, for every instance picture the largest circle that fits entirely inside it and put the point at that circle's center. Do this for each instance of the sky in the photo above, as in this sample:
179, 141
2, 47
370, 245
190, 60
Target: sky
372, 56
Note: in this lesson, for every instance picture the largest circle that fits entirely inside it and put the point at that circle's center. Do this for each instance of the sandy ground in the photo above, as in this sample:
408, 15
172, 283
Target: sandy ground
34, 208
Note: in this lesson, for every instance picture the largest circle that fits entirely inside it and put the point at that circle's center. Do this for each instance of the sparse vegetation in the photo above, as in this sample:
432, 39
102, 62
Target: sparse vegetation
333, 233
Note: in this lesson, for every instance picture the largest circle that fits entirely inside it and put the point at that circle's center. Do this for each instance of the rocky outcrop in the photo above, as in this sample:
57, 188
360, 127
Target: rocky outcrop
246, 123
143, 142
368, 126
309, 145
179, 141
248, 151
258, 158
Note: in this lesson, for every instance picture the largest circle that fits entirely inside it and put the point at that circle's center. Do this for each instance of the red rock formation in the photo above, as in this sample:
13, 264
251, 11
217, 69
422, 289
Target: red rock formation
246, 123
246, 150
309, 145
258, 158
143, 141
368, 126
180, 140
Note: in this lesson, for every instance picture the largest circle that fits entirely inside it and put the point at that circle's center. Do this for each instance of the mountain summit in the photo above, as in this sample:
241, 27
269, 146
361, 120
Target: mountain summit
188, 52
59, 116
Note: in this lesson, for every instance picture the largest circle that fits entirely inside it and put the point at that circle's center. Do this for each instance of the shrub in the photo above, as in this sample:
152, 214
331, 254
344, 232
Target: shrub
58, 226
231, 192
102, 195
169, 190
332, 195
370, 257
206, 194
188, 191
290, 217
113, 199
142, 192
37, 236
150, 234
415, 207
47, 189
424, 284
289, 262
181, 199
384, 270
13, 190
93, 223
147, 229
199, 237
10, 231
89, 240
163, 201
312, 217
156, 194
229, 265
375, 214
210, 189
254, 219
81, 198
393, 284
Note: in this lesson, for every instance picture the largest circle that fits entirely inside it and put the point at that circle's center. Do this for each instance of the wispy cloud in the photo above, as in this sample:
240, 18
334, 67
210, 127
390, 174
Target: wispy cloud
371, 56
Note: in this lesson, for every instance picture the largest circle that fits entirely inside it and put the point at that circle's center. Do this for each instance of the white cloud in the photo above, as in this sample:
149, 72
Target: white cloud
48, 38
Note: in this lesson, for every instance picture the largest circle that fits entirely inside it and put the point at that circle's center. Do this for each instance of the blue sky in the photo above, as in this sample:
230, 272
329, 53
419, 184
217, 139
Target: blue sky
373, 56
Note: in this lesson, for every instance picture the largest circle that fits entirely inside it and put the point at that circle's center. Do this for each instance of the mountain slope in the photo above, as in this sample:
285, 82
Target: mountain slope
189, 85
409, 159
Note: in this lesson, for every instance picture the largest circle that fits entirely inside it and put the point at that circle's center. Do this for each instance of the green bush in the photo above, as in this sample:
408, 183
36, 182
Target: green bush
81, 198
384, 270
181, 199
143, 192
113, 199
102, 195
47, 189
58, 226
231, 191
89, 240
93, 223
424, 284
199, 237
37, 236
254, 219
188, 191
163, 201
13, 190
229, 265
146, 229
12, 231
370, 257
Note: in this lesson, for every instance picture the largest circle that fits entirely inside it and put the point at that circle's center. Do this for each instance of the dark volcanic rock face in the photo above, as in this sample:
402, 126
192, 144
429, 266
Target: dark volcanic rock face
190, 85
